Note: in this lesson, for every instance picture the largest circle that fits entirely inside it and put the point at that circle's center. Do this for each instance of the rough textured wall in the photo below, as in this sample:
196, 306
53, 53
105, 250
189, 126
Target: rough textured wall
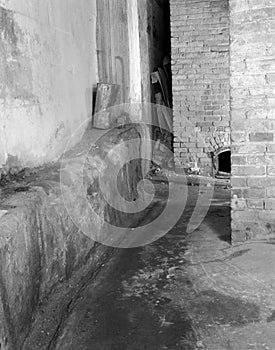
253, 118
45, 257
200, 68
47, 71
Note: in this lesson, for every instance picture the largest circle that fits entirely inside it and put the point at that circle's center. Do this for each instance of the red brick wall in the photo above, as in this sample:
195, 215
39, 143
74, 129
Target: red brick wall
200, 68
253, 118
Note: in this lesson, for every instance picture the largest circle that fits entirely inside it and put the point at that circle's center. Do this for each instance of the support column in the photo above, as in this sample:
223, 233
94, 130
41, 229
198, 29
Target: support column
252, 66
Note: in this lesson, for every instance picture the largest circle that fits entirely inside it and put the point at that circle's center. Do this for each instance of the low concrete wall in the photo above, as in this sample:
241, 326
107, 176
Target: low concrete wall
44, 256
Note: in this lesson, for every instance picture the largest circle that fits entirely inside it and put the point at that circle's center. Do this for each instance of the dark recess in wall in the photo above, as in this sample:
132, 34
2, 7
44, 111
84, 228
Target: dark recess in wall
224, 162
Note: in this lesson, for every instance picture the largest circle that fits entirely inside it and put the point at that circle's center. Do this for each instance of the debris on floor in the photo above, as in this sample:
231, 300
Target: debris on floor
184, 291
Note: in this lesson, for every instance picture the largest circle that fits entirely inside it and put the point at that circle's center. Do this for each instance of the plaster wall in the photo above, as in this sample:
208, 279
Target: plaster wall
47, 71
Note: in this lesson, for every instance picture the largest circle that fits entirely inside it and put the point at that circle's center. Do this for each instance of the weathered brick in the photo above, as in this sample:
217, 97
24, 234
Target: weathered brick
270, 159
255, 203
255, 159
253, 112
237, 192
238, 233
270, 148
270, 192
238, 204
238, 136
200, 49
238, 160
247, 215
267, 217
261, 137
238, 182
271, 170
248, 170
249, 148
254, 193
270, 204
260, 182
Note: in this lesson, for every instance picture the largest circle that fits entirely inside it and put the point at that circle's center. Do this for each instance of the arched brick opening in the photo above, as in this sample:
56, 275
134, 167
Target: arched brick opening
222, 163
220, 152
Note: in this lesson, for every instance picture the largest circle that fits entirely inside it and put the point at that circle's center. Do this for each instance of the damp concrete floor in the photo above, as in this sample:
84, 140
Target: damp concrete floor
184, 291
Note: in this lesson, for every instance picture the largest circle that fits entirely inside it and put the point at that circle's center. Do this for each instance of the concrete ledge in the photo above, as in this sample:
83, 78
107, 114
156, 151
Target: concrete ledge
43, 254
190, 179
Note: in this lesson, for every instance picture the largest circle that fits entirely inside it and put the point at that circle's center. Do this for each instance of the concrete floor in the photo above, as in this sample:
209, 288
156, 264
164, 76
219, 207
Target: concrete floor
184, 291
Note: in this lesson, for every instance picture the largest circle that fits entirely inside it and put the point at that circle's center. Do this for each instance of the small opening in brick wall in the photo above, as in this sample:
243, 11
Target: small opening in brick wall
223, 163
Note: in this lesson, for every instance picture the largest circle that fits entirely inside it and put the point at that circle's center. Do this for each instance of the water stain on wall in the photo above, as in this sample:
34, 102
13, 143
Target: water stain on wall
15, 68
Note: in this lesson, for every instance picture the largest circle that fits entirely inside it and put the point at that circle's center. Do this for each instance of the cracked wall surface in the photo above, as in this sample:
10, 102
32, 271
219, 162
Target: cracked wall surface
47, 72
